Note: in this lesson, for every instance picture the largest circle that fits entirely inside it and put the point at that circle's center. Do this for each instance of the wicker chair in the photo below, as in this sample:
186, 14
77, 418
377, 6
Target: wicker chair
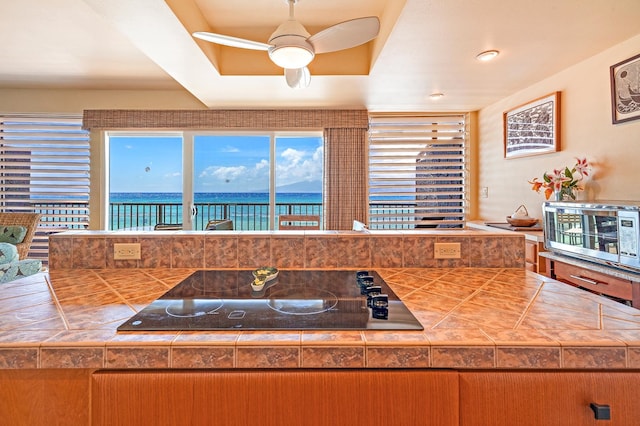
29, 221
298, 222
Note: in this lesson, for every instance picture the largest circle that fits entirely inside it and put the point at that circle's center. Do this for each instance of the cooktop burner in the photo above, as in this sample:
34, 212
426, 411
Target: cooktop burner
294, 300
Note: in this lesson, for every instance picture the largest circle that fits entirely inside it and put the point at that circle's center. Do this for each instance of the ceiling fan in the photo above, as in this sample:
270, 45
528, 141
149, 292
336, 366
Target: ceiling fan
292, 47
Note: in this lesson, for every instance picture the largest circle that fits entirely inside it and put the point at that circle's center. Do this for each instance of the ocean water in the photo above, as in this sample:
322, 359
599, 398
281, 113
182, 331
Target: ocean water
215, 197
248, 210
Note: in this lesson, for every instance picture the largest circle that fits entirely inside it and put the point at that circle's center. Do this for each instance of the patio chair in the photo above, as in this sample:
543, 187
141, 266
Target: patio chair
168, 227
219, 225
298, 222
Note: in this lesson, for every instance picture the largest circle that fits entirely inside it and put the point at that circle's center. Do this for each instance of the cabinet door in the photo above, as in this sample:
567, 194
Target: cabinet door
44, 397
276, 397
548, 398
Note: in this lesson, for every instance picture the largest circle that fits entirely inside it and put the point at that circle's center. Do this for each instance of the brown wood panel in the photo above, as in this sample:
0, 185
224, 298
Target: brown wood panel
531, 251
276, 397
45, 397
548, 398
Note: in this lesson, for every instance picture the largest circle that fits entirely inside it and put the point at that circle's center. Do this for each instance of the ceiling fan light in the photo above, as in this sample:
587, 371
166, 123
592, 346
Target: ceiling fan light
297, 78
288, 56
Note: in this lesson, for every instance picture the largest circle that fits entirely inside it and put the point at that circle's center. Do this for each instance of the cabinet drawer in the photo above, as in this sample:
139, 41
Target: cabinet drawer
594, 281
548, 398
275, 397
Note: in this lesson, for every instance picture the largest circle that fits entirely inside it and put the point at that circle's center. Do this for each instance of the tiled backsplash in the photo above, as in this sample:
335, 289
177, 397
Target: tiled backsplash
284, 249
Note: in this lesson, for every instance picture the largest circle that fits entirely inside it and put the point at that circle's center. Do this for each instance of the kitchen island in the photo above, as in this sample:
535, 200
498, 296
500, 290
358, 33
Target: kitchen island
473, 318
493, 332
58, 330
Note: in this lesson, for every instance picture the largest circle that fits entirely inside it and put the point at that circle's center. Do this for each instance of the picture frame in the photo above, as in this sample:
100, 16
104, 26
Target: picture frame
625, 90
533, 128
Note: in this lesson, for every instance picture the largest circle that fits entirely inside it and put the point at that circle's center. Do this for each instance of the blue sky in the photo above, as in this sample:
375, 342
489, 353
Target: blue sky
222, 163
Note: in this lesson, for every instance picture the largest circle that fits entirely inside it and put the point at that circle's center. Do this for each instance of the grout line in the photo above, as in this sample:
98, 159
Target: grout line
57, 302
525, 312
600, 317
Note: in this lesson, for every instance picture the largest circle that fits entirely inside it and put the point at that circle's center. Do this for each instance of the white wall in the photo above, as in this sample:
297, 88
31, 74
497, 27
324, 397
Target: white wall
586, 131
76, 100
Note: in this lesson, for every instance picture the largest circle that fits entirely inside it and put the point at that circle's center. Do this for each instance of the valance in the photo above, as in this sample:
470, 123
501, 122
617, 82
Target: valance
250, 119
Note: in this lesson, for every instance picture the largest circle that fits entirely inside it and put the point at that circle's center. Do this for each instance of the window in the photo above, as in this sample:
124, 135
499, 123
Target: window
417, 175
145, 180
245, 178
44, 168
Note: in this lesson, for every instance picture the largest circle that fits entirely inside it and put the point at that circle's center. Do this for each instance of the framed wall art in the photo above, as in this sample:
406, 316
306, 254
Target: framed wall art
625, 90
533, 128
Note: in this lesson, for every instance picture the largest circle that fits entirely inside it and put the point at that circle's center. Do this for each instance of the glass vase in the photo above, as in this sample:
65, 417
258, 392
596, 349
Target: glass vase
565, 194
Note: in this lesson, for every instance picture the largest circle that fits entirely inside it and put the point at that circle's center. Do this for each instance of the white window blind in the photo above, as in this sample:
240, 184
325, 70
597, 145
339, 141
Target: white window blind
44, 168
417, 175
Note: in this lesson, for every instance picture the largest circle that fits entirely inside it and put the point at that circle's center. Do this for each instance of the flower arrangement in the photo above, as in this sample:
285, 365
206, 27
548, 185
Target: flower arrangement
563, 182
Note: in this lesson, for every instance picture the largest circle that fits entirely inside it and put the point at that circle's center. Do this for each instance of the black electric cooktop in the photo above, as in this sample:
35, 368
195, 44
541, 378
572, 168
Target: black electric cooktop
294, 300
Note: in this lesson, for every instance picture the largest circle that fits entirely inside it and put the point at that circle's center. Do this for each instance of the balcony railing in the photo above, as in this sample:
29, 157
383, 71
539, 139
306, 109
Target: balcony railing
245, 216
255, 216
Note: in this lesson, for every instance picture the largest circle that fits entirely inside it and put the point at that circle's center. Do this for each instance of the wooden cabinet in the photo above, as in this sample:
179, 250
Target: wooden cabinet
276, 397
507, 398
595, 281
533, 262
317, 397
45, 397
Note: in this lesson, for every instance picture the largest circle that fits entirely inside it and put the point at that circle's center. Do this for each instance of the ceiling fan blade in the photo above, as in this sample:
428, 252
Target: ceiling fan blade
231, 41
345, 35
297, 78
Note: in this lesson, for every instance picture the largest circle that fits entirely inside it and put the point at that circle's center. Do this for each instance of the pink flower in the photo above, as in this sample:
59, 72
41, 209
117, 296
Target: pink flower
558, 178
562, 180
582, 167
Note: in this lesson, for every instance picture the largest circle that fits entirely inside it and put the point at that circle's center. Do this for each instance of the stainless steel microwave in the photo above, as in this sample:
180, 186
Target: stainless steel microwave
606, 232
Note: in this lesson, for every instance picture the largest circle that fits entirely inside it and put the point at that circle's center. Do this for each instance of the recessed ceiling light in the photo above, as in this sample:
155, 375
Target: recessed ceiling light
487, 55
436, 96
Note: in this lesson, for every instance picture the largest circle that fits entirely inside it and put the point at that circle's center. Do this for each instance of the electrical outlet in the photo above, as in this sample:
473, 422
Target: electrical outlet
126, 251
484, 192
446, 250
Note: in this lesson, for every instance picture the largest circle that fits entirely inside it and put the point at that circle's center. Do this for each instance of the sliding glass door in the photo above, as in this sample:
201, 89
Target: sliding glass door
145, 181
298, 180
197, 180
232, 181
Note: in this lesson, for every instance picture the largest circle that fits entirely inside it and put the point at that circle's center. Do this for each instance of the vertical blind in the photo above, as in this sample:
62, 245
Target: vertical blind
417, 174
44, 168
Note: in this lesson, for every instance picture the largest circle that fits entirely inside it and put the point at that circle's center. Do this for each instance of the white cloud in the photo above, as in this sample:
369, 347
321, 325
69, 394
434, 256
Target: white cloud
293, 156
296, 166
223, 173
292, 166
228, 172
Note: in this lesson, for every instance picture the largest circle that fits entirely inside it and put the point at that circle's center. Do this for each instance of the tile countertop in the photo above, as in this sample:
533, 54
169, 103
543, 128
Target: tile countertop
473, 318
536, 235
